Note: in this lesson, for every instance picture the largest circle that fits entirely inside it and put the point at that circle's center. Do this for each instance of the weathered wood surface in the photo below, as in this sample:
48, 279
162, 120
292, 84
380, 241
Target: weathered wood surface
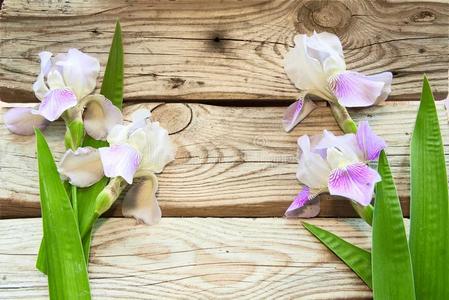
223, 50
231, 161
194, 257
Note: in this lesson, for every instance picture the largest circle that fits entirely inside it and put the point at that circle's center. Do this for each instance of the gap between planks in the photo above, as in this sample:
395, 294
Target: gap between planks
231, 161
210, 258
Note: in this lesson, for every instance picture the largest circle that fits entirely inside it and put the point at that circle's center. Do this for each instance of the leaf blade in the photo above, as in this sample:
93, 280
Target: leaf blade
429, 209
391, 261
67, 270
357, 259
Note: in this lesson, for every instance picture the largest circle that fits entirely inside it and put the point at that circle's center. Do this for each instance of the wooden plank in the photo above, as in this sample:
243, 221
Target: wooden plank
183, 258
221, 50
231, 161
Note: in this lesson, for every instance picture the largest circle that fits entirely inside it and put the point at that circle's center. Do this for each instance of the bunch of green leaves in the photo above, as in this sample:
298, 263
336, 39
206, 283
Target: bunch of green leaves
64, 253
396, 268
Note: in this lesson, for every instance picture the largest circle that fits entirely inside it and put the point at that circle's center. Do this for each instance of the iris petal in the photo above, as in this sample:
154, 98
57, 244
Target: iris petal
21, 120
56, 102
370, 143
140, 202
82, 167
296, 112
303, 206
120, 160
355, 182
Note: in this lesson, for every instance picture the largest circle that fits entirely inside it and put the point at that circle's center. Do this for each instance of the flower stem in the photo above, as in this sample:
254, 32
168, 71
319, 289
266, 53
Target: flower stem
348, 125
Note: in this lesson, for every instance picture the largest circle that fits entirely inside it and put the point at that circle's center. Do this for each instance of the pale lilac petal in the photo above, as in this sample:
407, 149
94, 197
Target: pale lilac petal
100, 116
346, 144
313, 170
326, 48
155, 146
355, 182
303, 206
139, 119
370, 143
80, 71
39, 87
55, 80
21, 120
56, 102
296, 112
120, 160
82, 167
304, 71
354, 89
140, 202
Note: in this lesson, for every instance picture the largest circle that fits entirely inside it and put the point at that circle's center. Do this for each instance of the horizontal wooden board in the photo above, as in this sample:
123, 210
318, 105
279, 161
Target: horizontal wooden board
231, 161
194, 258
225, 50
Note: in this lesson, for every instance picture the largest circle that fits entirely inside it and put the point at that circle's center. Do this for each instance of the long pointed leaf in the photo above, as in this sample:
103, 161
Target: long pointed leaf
358, 259
67, 270
391, 262
429, 211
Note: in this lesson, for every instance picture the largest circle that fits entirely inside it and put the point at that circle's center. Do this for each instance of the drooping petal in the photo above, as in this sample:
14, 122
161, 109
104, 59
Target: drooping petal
304, 71
155, 146
369, 143
82, 167
296, 112
313, 170
303, 206
140, 202
21, 120
355, 182
100, 116
56, 102
80, 72
39, 87
120, 160
354, 89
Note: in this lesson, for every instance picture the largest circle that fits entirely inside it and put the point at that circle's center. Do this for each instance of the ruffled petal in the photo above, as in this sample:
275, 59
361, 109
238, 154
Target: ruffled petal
80, 71
118, 134
355, 182
303, 206
100, 116
155, 146
21, 120
56, 102
304, 71
82, 167
296, 112
354, 89
345, 144
313, 170
39, 87
369, 143
139, 119
140, 202
120, 160
55, 80
326, 48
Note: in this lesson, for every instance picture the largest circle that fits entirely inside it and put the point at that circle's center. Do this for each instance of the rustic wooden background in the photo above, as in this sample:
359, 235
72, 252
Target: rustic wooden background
211, 73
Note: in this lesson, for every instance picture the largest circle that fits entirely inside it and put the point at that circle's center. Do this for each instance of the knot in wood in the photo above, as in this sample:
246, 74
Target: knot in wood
330, 15
175, 117
424, 16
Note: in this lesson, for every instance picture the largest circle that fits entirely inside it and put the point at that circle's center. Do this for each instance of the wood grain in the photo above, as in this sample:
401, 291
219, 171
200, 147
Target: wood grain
194, 258
231, 161
225, 50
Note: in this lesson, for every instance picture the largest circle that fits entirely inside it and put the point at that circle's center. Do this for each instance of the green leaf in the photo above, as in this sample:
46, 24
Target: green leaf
358, 259
67, 270
391, 262
112, 86
429, 210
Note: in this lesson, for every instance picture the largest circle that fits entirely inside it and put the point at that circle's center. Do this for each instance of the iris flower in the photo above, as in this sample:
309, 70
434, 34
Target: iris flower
63, 87
337, 165
316, 66
139, 149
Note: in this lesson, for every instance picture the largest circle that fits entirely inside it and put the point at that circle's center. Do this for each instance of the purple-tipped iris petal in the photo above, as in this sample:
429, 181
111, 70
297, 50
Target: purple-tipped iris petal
140, 202
56, 102
296, 112
120, 160
369, 143
303, 206
353, 89
355, 182
21, 120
